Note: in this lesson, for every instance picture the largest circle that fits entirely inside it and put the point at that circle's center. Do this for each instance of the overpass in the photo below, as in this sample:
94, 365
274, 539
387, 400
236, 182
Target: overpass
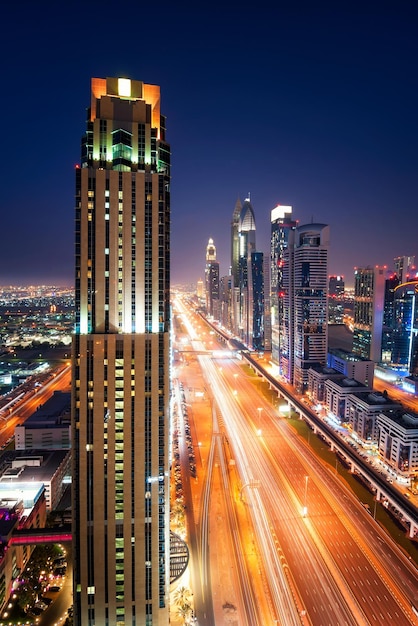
179, 552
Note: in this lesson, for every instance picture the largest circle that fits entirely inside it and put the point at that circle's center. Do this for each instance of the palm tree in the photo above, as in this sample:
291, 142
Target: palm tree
182, 596
185, 612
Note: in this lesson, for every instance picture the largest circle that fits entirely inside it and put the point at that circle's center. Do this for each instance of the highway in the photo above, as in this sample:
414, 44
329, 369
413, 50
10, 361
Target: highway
324, 558
338, 574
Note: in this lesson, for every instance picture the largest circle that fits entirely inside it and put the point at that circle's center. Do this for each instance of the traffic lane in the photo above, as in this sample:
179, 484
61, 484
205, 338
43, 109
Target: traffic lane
354, 570
248, 454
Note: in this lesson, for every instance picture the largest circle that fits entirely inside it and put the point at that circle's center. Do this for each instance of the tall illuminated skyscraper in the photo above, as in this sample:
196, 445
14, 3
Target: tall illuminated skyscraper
212, 280
246, 234
310, 287
281, 244
235, 271
120, 421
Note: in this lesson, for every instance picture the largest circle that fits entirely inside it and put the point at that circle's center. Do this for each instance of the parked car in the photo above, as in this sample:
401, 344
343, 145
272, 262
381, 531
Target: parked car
46, 600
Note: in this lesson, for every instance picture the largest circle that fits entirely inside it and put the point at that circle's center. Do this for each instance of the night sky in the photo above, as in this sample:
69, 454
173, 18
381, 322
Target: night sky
308, 104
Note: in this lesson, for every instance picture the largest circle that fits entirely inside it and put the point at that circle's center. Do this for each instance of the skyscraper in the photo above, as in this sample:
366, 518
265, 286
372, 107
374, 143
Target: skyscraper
405, 332
257, 276
212, 280
310, 301
120, 420
282, 236
246, 234
235, 255
388, 318
405, 268
369, 291
235, 242
336, 286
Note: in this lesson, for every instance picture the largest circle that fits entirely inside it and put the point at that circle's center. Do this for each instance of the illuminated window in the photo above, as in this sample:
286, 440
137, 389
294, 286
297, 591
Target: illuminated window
124, 87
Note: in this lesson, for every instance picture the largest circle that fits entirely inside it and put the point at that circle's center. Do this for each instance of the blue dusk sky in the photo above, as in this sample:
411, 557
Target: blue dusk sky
309, 104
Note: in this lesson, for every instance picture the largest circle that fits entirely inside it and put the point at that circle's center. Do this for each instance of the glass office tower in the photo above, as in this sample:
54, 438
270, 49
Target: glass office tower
120, 418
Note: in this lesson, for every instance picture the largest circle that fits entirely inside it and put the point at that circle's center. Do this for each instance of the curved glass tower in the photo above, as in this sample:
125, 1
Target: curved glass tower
405, 333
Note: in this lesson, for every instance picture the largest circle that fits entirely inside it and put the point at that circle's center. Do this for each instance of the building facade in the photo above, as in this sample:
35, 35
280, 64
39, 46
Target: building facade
405, 268
310, 288
257, 276
388, 318
351, 365
405, 328
362, 410
246, 236
49, 427
235, 268
398, 441
120, 377
369, 289
336, 286
281, 284
211, 279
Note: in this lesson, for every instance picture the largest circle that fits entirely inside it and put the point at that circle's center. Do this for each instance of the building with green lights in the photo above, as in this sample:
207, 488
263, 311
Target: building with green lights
120, 378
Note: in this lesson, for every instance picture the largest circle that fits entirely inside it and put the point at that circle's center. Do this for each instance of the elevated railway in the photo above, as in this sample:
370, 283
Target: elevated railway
383, 489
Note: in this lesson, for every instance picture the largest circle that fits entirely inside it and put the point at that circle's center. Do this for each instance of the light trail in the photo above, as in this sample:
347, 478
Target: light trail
281, 594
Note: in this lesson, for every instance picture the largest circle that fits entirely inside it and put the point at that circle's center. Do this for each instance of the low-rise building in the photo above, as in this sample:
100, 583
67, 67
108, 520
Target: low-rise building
52, 468
351, 365
22, 506
49, 427
362, 409
337, 392
398, 440
317, 375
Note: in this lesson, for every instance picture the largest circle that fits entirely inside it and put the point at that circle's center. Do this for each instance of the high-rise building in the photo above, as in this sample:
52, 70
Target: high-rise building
405, 331
235, 249
281, 244
369, 290
121, 389
267, 304
225, 293
336, 286
405, 268
200, 291
310, 288
257, 276
235, 268
212, 279
246, 234
388, 318
336, 290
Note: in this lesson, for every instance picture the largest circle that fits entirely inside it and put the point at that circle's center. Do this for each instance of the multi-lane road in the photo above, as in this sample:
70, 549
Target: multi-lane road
324, 559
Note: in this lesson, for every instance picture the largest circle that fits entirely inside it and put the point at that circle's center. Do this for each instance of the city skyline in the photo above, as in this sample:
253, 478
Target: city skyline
308, 107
